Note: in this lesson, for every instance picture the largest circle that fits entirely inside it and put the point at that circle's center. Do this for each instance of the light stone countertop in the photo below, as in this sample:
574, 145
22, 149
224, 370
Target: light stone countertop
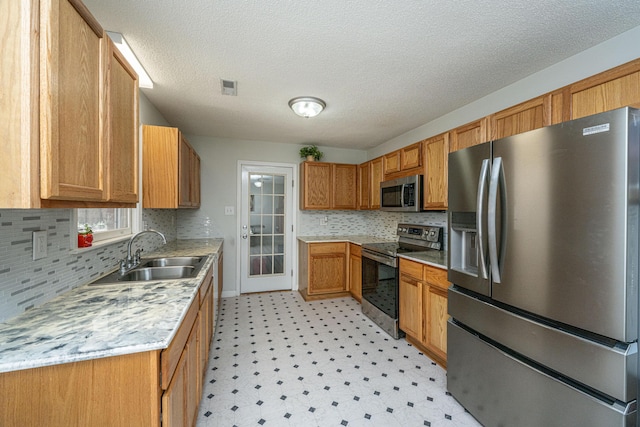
433, 258
90, 322
356, 239
430, 257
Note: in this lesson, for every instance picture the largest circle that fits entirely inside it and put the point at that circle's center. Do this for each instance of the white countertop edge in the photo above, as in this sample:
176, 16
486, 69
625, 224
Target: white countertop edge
81, 357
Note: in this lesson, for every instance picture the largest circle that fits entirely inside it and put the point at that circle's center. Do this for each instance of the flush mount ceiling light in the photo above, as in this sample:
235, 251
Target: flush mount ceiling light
307, 106
122, 45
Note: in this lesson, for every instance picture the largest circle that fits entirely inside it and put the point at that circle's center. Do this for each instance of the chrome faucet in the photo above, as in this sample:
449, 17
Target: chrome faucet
131, 260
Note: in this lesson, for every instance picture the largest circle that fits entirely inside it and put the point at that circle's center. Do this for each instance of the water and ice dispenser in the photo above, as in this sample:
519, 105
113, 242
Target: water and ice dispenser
464, 243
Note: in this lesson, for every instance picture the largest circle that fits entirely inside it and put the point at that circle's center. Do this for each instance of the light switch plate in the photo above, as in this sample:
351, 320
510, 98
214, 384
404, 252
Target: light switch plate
39, 244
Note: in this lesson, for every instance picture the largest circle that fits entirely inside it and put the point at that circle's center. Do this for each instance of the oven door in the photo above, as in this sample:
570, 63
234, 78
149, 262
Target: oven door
380, 282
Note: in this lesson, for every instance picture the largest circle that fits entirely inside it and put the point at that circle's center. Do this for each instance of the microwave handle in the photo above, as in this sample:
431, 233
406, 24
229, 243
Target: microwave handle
402, 194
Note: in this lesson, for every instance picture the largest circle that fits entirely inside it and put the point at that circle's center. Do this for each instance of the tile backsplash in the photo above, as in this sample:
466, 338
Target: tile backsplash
25, 283
376, 223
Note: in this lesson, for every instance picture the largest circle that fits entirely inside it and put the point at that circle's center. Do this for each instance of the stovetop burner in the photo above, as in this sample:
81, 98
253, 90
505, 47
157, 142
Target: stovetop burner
412, 238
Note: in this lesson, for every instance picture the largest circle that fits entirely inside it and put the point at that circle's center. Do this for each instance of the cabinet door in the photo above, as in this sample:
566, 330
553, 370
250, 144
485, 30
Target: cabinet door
315, 185
193, 382
470, 134
530, 115
195, 180
410, 156
173, 399
376, 178
327, 268
436, 155
436, 328
392, 162
185, 154
355, 271
344, 179
410, 309
159, 167
72, 94
364, 183
122, 169
606, 91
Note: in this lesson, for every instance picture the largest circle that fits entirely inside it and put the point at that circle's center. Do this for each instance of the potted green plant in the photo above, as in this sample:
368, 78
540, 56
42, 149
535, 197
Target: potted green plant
311, 153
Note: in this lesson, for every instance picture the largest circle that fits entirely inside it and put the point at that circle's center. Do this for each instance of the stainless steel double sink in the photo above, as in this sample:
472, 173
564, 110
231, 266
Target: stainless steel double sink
166, 268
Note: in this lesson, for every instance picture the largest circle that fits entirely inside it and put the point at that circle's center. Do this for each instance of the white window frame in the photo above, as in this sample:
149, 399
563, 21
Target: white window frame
107, 237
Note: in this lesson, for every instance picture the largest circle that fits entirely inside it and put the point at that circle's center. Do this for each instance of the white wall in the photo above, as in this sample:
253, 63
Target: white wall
219, 172
609, 54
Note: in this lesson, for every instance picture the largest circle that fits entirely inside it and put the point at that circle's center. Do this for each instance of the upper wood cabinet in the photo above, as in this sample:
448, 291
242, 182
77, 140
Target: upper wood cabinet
405, 161
471, 134
345, 186
533, 114
436, 159
328, 185
122, 114
364, 186
170, 169
55, 112
370, 175
377, 176
615, 88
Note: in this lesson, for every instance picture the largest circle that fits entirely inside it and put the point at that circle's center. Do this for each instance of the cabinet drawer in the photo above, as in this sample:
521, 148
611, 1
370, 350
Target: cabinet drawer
413, 269
436, 277
170, 356
327, 248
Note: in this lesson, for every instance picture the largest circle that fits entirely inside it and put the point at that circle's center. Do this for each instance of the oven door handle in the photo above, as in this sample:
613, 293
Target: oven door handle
382, 259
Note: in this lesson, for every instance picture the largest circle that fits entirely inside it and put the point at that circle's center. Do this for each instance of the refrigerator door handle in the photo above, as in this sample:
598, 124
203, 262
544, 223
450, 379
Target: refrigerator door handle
497, 178
482, 189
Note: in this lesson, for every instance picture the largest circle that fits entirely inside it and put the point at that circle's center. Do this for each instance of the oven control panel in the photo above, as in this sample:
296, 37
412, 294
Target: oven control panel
428, 236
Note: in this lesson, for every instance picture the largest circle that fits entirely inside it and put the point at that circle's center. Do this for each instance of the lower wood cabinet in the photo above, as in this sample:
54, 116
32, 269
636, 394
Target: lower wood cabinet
152, 388
323, 270
423, 308
355, 271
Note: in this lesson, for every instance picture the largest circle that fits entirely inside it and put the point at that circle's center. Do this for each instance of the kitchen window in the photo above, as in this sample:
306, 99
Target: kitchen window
106, 223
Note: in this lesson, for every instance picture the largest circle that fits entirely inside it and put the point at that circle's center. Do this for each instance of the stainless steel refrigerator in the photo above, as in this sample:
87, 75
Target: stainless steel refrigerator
543, 258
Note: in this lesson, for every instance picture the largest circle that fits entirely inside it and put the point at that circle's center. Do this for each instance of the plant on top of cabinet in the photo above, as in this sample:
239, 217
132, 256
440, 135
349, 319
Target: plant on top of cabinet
311, 153
170, 169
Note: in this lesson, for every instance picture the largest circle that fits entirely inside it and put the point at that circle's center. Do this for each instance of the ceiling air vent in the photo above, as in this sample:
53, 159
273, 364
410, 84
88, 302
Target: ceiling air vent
229, 87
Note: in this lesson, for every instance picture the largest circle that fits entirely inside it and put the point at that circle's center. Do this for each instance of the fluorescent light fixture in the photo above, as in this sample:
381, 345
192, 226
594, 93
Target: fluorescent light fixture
144, 79
307, 106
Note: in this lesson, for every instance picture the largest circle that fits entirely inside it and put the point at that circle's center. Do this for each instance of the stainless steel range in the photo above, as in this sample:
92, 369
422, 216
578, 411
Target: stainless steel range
380, 272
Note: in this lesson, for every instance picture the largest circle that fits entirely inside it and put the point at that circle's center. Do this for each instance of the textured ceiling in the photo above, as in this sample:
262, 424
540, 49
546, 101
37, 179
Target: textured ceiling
383, 67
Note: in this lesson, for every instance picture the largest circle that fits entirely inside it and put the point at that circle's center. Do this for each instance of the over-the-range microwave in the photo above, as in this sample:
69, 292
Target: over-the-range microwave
402, 194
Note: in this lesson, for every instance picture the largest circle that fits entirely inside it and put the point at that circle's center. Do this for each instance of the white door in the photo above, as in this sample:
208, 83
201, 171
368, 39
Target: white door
266, 228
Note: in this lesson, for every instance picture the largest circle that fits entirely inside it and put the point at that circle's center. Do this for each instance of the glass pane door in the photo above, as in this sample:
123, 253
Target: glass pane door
266, 224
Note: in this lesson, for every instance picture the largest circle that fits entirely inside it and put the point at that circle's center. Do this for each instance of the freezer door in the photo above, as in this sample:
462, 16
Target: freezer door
468, 185
570, 219
500, 389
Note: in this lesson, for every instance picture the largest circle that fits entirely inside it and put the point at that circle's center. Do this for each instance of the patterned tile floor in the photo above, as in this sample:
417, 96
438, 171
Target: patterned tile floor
277, 360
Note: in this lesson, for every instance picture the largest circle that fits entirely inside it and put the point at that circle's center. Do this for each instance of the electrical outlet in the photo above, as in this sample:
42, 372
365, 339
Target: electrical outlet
39, 244
324, 220
229, 210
